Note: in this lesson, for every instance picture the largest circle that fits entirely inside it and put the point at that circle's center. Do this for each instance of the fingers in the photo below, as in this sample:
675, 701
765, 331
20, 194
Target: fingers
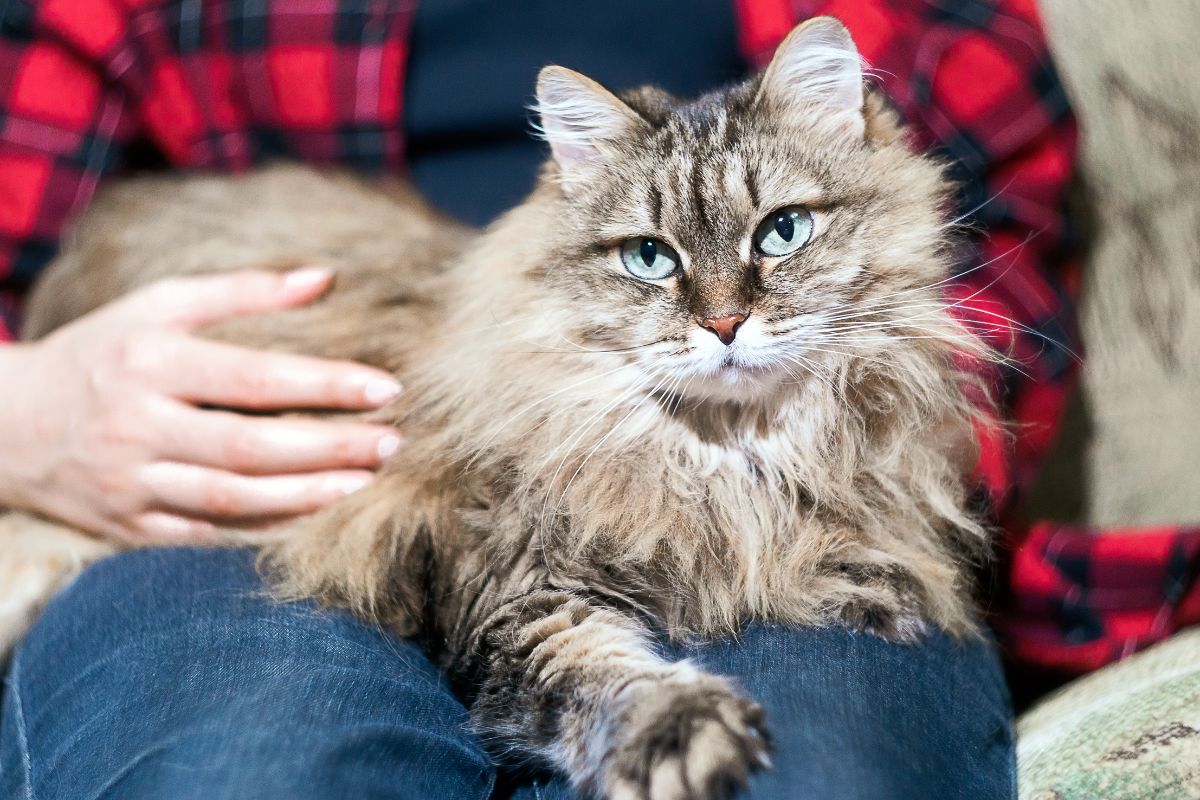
266, 446
160, 527
193, 491
224, 375
163, 528
194, 301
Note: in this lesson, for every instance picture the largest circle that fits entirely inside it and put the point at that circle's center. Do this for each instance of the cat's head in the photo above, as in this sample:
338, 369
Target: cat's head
739, 242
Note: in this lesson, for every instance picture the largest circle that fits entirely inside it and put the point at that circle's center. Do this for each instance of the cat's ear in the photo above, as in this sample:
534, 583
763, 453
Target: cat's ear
580, 118
816, 75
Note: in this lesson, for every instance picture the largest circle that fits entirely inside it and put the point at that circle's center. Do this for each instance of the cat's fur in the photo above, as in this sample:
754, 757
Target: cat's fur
580, 469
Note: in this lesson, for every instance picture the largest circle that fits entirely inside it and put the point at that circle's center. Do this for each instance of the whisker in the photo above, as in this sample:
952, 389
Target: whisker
950, 279
536, 403
596, 447
979, 207
584, 351
643, 378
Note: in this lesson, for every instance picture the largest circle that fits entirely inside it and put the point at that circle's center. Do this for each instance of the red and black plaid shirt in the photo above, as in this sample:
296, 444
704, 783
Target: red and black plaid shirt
221, 85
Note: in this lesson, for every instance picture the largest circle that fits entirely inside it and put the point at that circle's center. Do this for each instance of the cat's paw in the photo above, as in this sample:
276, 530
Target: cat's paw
693, 741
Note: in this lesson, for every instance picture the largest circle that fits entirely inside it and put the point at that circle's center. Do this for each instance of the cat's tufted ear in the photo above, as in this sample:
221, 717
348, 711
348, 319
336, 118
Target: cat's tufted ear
580, 118
816, 76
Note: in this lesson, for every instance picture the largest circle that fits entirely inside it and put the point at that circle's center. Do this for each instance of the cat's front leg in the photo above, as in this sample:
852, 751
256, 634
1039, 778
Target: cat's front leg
575, 684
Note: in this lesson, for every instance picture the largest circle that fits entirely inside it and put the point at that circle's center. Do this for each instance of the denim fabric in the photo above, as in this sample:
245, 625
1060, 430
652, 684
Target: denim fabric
168, 674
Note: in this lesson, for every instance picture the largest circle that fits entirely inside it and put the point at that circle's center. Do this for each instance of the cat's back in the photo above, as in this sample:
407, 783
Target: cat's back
385, 244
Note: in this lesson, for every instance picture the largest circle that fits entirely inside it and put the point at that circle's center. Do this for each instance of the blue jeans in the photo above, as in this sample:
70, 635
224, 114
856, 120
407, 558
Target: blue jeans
169, 674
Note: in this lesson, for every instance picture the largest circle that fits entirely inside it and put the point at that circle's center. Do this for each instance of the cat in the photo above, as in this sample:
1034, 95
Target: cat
704, 374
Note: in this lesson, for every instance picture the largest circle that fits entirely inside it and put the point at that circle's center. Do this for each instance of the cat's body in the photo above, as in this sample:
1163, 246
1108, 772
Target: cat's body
574, 477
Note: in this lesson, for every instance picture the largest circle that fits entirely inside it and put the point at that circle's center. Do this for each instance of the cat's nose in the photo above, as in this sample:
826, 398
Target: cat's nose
725, 327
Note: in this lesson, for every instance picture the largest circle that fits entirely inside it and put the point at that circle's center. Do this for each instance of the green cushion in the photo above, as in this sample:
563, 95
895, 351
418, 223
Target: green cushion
1129, 731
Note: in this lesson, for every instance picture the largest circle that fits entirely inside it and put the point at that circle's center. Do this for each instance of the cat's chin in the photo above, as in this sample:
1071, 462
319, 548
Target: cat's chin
741, 373
733, 382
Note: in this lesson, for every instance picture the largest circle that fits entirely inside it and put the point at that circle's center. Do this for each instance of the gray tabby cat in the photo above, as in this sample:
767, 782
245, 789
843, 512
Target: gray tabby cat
704, 374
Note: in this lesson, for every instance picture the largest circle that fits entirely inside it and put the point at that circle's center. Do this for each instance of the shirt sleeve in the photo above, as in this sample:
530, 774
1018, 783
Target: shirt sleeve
1079, 598
64, 124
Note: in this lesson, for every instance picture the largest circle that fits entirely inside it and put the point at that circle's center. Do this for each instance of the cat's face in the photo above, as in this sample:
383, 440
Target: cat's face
746, 240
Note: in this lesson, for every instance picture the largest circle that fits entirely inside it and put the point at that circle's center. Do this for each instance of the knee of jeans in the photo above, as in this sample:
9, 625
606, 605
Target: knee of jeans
192, 609
171, 614
148, 588
859, 716
842, 657
124, 586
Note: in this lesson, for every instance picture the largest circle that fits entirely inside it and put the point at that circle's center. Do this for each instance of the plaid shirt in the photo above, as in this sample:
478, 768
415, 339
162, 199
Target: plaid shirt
223, 85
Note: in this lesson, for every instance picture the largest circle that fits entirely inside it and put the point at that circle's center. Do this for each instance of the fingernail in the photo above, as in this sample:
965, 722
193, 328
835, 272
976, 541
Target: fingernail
388, 446
350, 485
307, 277
380, 390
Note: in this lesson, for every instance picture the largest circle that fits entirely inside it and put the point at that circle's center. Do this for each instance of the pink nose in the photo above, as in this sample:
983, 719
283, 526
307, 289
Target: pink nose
724, 328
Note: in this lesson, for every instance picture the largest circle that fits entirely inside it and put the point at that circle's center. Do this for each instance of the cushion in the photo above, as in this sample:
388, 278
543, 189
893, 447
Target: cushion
1128, 732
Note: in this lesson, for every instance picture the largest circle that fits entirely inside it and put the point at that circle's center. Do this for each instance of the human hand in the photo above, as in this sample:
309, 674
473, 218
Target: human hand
101, 423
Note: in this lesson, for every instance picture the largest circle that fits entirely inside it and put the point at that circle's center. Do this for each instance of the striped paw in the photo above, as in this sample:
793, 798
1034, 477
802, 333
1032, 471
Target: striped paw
698, 740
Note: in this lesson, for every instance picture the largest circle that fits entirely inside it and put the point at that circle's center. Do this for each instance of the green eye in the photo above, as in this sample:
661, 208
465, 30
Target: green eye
649, 259
784, 232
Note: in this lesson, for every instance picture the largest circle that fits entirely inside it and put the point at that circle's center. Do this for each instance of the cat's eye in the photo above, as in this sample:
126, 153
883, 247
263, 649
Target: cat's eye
784, 232
649, 259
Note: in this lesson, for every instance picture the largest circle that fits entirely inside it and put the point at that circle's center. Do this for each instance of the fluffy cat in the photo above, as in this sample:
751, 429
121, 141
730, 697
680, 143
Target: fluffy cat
703, 374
